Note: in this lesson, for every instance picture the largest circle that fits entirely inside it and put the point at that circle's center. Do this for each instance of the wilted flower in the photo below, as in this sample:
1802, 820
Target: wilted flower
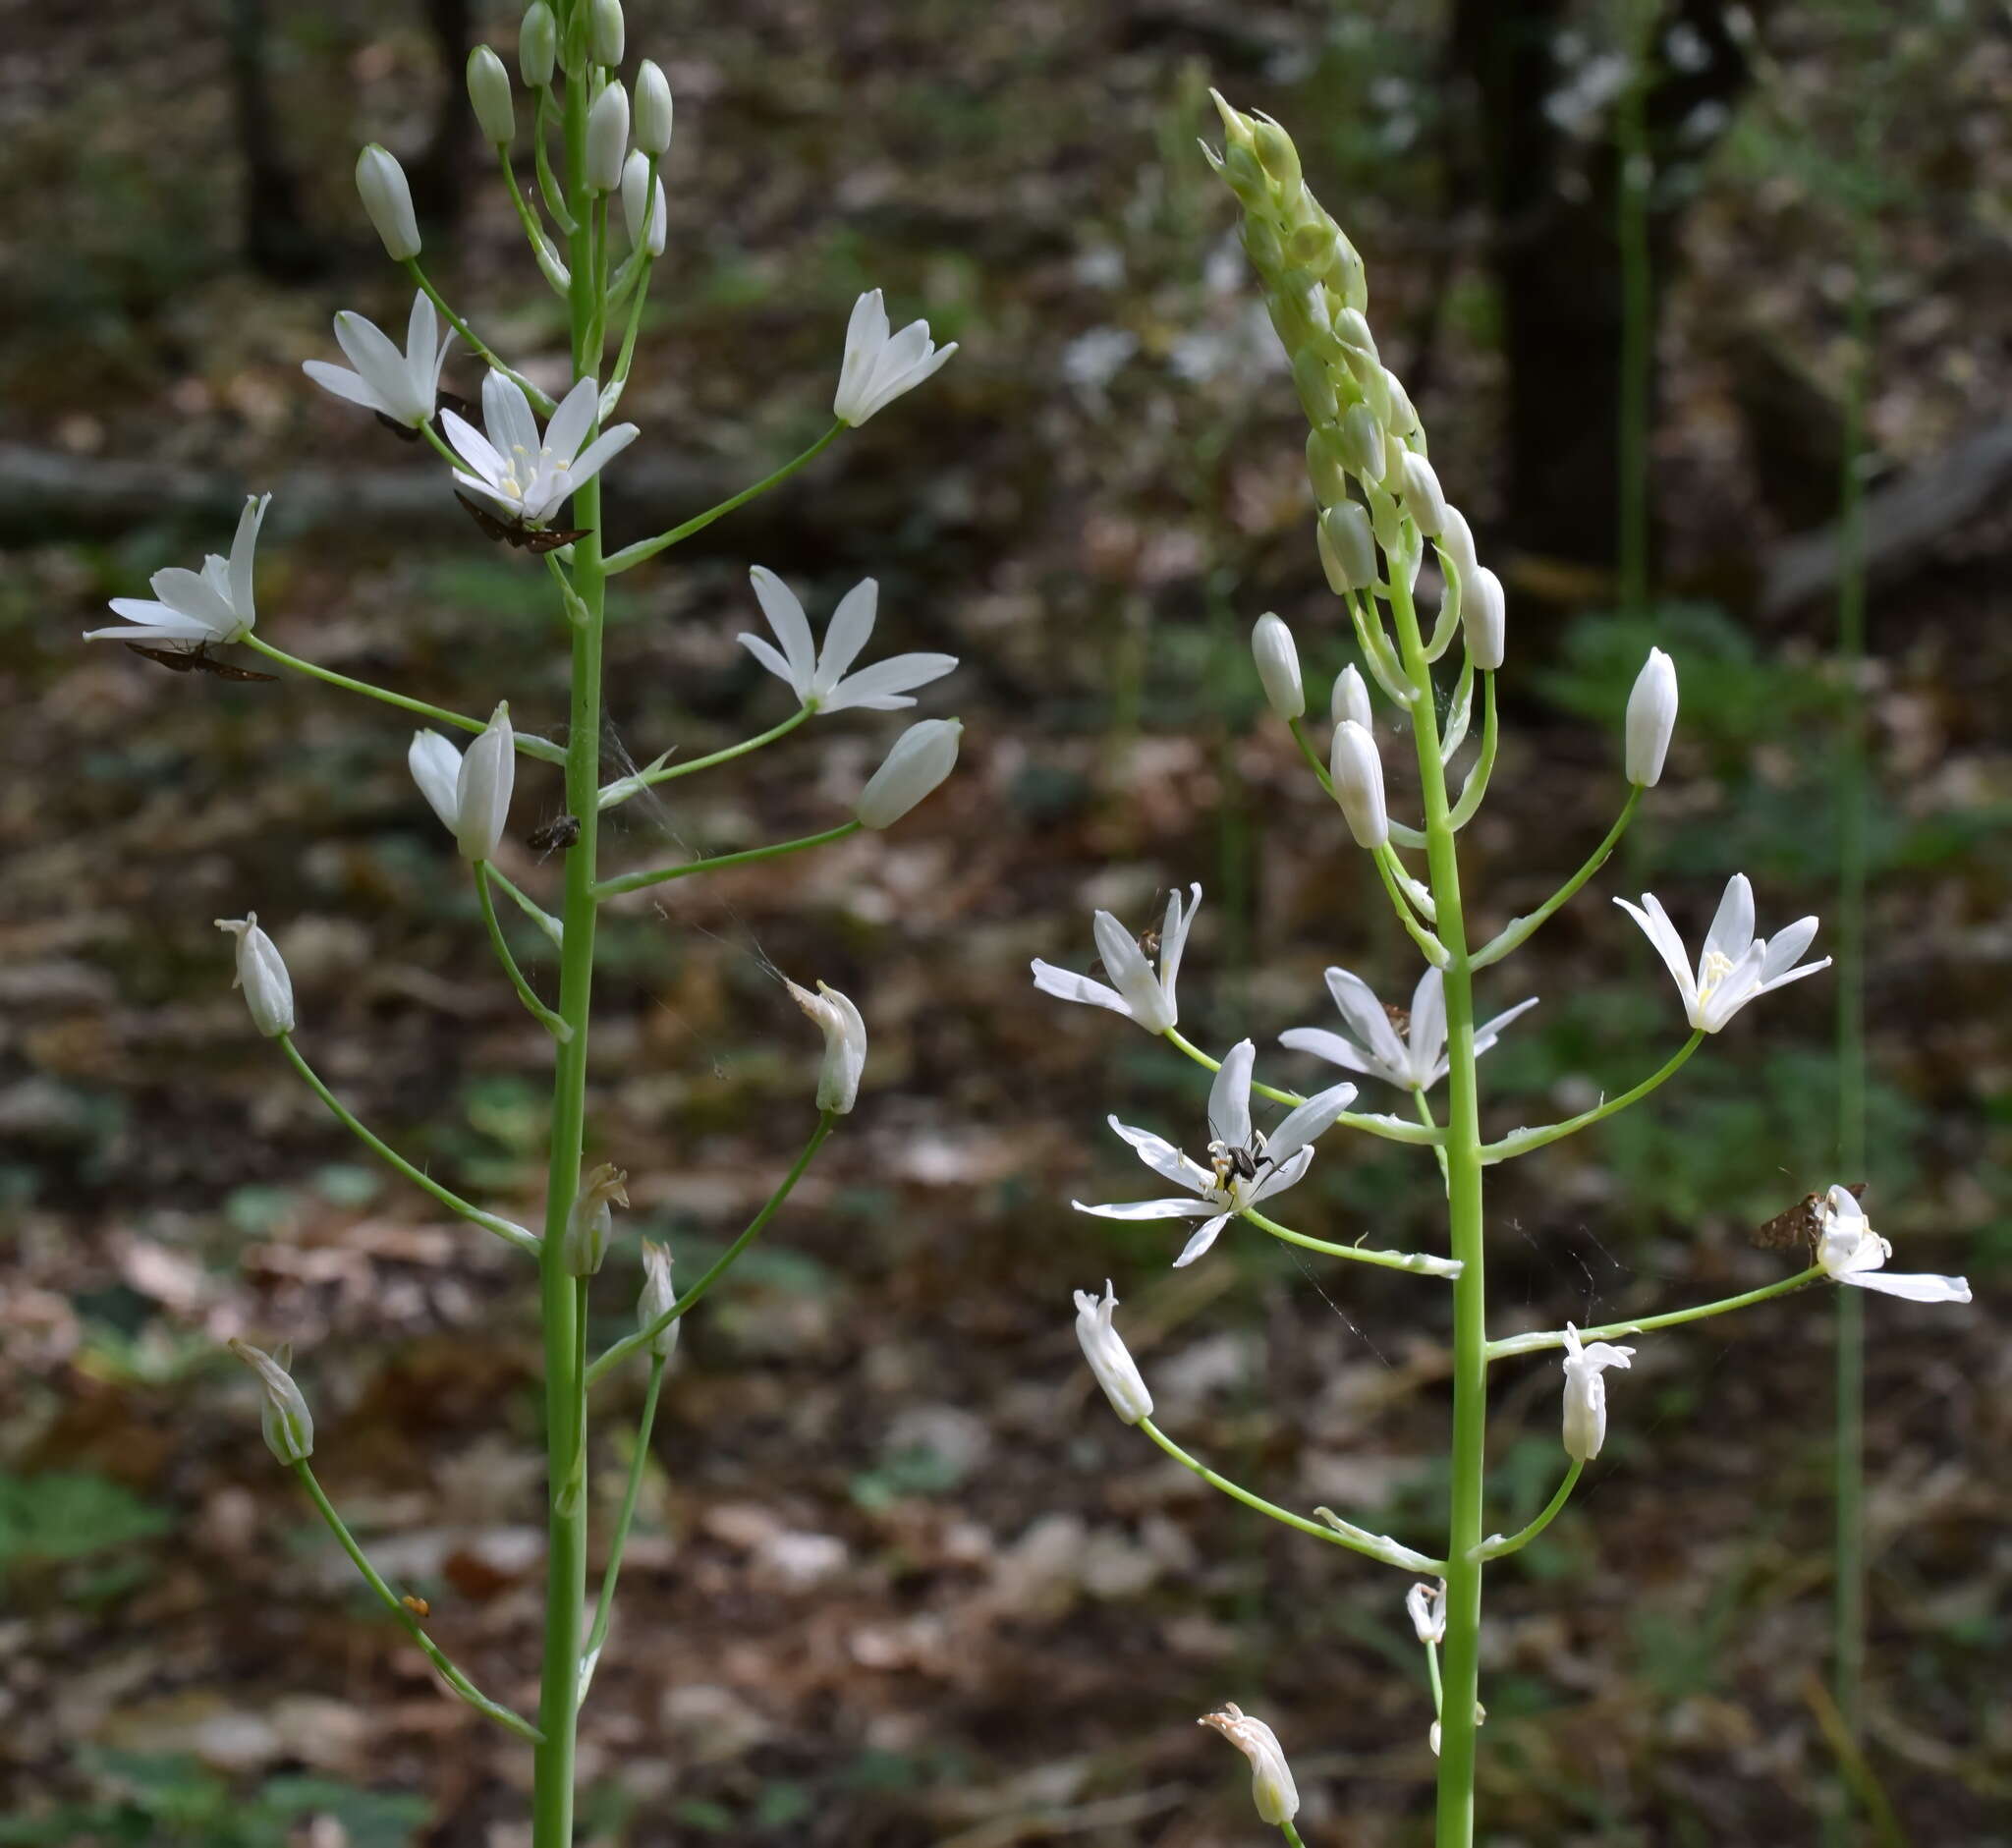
1426, 1605
657, 1300
1136, 991
1736, 967
1357, 772
284, 1419
1272, 1779
923, 756
1117, 1373
268, 988
213, 604
529, 476
388, 199
1852, 1253
1246, 1167
1414, 1062
399, 386
1278, 666
878, 367
1585, 1392
845, 1046
469, 791
819, 679
1652, 718
591, 1219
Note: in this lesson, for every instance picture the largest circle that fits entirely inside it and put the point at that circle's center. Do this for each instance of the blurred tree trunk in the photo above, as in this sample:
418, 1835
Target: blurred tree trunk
278, 243
438, 175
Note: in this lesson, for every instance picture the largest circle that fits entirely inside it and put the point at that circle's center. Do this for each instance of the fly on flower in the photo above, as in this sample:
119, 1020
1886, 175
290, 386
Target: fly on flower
197, 660
1801, 1226
536, 539
1148, 940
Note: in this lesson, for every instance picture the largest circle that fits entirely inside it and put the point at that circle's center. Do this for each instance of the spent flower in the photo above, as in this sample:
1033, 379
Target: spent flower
263, 974
1272, 1779
657, 1300
283, 1419
1426, 1603
591, 1220
1103, 1347
845, 1046
1585, 1392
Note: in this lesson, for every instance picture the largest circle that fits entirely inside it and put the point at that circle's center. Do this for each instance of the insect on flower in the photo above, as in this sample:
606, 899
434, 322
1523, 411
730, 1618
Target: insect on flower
1801, 1226
417, 1605
535, 539
197, 660
1149, 939
1238, 1161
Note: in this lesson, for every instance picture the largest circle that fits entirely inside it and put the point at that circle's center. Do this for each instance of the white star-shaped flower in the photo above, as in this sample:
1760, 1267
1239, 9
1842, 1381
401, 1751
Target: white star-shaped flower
213, 604
1853, 1252
878, 367
401, 386
1371, 1046
526, 474
819, 679
1247, 1167
1136, 991
1736, 967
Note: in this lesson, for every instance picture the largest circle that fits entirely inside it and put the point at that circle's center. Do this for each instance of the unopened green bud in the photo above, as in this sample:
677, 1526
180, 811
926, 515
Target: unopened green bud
1324, 465
1275, 151
1313, 246
1361, 443
1262, 245
538, 46
1245, 177
284, 1419
1376, 384
1316, 388
1347, 548
1351, 329
592, 1220
1236, 125
1404, 418
488, 89
1347, 277
608, 33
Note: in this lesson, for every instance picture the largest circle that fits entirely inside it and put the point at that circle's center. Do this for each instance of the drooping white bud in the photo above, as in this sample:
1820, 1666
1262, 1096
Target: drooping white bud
653, 109
1585, 1393
1652, 718
482, 787
1278, 666
845, 1046
538, 45
657, 1301
1271, 1780
388, 199
636, 190
1361, 443
591, 1219
607, 33
1348, 547
489, 91
284, 1419
1426, 1605
923, 756
1110, 1360
1358, 775
1483, 617
607, 139
1456, 540
268, 988
1423, 498
1350, 699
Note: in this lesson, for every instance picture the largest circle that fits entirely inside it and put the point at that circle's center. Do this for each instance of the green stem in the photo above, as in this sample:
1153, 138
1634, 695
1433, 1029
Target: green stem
604, 1608
1355, 1540
642, 1337
1499, 1548
1390, 1128
1476, 785
633, 555
540, 402
454, 1678
630, 328
530, 908
636, 881
548, 184
1518, 931
531, 745
623, 788
1522, 1142
552, 1023
1429, 946
504, 1229
1421, 1264
1416, 895
1555, 1337
541, 249
1291, 1834
1313, 756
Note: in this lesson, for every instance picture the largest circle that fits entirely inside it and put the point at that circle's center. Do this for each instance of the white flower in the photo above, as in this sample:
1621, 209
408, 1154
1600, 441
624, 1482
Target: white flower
845, 1046
1426, 1605
1103, 1347
1371, 1046
401, 386
1278, 666
1853, 1252
657, 1300
1136, 991
878, 367
388, 202
284, 1419
1736, 965
1272, 1779
819, 679
471, 794
1585, 1393
213, 604
529, 476
1652, 718
634, 185
263, 974
921, 757
1356, 771
1246, 1167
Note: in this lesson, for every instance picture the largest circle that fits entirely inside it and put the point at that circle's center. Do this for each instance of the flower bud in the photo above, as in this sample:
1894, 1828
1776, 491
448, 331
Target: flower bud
1348, 547
1272, 1779
921, 757
606, 33
381, 185
1275, 149
538, 45
1261, 240
1361, 443
1652, 718
607, 139
1314, 244
1315, 387
1424, 499
1245, 177
1484, 613
845, 1046
1278, 666
1236, 125
1357, 774
592, 1218
489, 91
636, 189
268, 989
1350, 699
482, 787
284, 1419
1351, 329
657, 1301
1585, 1393
1404, 416
1456, 540
1323, 464
1117, 1373
652, 109
1348, 277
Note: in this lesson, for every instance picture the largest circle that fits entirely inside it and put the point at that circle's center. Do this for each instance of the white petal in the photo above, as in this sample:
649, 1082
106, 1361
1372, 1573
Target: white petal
1130, 973
1204, 1238
1367, 1020
766, 654
1309, 1121
168, 624
1336, 1049
1276, 1180
436, 765
1657, 928
1148, 1210
599, 454
473, 447
849, 631
191, 593
1163, 1159
1428, 1025
507, 416
1914, 1288
1173, 937
1487, 1035
1065, 984
344, 383
572, 421
1229, 1096
786, 617
1732, 925
879, 689
243, 546
370, 350
1785, 946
